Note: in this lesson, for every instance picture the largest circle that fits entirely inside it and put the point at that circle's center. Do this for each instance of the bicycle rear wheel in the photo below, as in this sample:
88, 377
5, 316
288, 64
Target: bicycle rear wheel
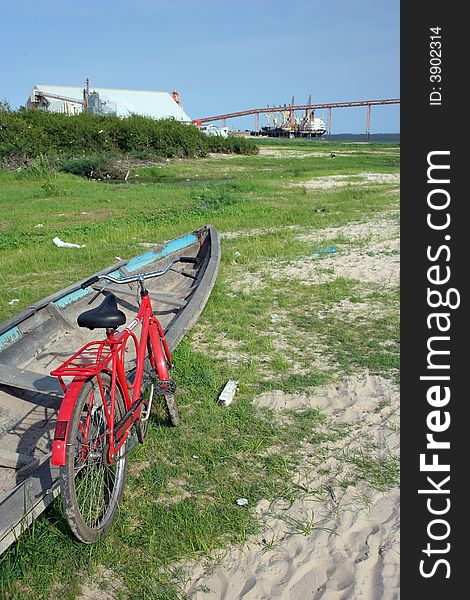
92, 488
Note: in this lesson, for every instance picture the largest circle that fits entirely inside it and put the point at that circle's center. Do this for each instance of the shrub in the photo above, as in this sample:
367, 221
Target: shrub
93, 167
39, 166
30, 134
218, 196
235, 144
50, 187
20, 136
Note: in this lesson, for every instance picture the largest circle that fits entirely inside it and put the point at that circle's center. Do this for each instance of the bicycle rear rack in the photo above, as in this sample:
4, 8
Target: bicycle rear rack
88, 361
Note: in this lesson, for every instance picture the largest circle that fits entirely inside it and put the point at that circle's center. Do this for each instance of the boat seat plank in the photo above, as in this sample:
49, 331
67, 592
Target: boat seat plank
119, 290
30, 380
165, 299
170, 300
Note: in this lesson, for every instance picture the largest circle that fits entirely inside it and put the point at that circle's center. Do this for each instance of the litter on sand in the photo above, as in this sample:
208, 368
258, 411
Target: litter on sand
228, 393
327, 251
60, 244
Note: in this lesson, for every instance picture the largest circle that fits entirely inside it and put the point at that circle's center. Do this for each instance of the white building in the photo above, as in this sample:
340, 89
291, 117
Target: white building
69, 99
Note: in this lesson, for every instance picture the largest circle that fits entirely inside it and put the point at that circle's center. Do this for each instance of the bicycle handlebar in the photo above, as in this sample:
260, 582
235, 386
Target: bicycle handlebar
140, 276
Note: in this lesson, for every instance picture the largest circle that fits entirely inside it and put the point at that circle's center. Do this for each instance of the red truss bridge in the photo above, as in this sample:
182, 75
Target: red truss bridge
293, 107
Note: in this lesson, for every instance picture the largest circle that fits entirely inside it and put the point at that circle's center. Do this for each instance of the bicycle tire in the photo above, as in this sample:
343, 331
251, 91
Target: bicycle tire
172, 409
92, 489
171, 406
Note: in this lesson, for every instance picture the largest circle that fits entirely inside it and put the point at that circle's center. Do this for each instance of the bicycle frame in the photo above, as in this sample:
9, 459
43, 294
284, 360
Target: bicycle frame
108, 356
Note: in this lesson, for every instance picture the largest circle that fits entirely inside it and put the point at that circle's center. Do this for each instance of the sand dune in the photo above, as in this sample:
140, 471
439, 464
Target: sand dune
333, 543
358, 558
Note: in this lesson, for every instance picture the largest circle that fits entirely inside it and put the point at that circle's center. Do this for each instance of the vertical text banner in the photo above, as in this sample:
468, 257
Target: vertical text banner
435, 439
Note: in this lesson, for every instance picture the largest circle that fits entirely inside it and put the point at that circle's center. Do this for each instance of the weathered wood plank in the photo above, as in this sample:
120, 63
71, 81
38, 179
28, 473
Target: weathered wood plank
121, 290
29, 380
15, 460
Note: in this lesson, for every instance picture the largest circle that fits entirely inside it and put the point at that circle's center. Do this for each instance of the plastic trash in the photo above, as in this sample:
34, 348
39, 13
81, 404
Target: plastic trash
330, 250
14, 301
228, 393
275, 318
60, 244
39, 225
241, 501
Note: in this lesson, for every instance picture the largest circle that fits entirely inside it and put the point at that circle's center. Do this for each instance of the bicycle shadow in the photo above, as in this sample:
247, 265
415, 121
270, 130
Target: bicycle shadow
31, 434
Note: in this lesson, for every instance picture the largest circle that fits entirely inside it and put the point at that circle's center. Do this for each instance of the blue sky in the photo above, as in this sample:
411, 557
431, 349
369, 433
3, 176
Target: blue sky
221, 55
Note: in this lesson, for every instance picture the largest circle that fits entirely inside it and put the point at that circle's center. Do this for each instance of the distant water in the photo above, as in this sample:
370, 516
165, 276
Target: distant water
361, 137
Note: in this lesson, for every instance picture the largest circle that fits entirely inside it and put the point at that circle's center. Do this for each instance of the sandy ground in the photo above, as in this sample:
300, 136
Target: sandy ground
332, 543
357, 559
274, 152
374, 260
336, 181
377, 262
367, 252
105, 585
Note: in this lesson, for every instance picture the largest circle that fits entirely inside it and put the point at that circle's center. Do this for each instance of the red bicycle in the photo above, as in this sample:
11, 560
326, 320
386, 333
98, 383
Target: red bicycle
104, 402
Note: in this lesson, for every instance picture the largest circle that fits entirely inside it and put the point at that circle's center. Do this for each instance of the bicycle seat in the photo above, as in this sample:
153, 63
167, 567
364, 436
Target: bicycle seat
107, 315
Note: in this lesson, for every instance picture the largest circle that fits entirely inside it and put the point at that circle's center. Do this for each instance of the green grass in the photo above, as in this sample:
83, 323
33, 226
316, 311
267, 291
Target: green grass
112, 220
182, 486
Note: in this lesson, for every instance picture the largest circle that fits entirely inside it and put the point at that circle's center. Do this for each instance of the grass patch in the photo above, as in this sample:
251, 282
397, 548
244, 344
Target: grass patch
380, 472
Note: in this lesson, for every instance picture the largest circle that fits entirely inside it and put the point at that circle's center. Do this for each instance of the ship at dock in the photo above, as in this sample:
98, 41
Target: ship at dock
292, 126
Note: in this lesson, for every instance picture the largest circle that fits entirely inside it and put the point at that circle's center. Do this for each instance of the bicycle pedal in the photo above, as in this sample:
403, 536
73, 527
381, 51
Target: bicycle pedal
164, 387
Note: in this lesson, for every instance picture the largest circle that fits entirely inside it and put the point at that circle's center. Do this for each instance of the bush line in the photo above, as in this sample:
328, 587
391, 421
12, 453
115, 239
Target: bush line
26, 135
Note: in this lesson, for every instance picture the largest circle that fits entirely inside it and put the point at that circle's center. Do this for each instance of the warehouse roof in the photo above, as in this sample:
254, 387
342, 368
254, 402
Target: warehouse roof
158, 105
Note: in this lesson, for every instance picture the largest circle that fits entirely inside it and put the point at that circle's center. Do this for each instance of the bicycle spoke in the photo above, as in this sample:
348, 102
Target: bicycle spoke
100, 503
92, 515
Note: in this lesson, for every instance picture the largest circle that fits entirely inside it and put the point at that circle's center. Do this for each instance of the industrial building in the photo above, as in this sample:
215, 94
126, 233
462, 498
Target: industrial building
76, 99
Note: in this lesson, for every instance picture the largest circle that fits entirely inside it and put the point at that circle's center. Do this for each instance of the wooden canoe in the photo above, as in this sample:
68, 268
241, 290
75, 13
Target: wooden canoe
41, 337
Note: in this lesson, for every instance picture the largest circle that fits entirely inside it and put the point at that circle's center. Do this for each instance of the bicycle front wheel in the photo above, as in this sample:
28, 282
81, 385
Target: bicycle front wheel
91, 488
172, 409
